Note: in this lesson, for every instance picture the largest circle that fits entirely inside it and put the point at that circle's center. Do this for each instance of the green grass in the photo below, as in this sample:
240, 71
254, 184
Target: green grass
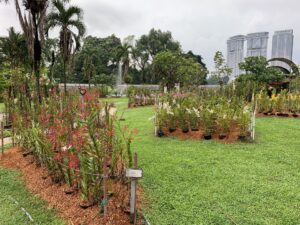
204, 182
197, 182
120, 103
2, 107
11, 187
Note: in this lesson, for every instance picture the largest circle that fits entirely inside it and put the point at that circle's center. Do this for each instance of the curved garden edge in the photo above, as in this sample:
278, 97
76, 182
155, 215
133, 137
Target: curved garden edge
37, 180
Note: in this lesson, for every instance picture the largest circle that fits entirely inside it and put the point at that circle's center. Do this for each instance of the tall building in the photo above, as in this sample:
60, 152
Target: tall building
257, 44
235, 54
282, 47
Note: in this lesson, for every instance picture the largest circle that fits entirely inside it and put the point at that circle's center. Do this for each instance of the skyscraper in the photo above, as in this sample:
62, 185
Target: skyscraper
257, 44
235, 54
282, 47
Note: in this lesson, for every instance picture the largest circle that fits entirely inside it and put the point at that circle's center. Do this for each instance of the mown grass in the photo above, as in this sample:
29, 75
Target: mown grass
197, 182
13, 189
204, 182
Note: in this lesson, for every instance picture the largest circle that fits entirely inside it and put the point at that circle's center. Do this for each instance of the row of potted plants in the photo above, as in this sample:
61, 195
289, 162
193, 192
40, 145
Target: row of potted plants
281, 104
209, 114
140, 97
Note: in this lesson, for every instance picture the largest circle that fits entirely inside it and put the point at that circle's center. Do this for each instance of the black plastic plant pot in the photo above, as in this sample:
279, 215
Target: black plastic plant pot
242, 137
207, 136
222, 136
160, 133
295, 115
172, 130
194, 129
8, 126
285, 115
185, 130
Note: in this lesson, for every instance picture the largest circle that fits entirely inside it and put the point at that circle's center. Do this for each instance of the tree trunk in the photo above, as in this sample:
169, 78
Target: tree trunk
65, 78
37, 57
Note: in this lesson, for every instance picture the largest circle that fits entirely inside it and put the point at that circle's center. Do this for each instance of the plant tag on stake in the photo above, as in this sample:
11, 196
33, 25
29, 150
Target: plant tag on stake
134, 173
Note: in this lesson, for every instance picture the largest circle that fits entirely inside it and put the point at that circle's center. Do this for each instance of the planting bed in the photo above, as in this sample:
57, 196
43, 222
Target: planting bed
205, 115
37, 180
279, 115
230, 137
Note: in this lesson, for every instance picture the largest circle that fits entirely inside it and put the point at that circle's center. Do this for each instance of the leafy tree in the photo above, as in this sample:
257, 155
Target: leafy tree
147, 46
257, 69
104, 54
32, 23
67, 19
222, 71
198, 59
89, 69
172, 67
13, 49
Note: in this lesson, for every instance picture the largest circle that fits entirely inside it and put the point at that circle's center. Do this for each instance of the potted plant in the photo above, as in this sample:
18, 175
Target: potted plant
223, 122
194, 118
208, 122
171, 120
244, 120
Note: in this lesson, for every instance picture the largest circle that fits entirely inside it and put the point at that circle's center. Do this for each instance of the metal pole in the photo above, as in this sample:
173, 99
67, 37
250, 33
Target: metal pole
133, 197
104, 200
2, 137
13, 132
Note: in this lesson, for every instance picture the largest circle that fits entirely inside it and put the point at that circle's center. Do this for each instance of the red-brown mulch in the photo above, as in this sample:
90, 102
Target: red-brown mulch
38, 181
232, 135
132, 105
276, 115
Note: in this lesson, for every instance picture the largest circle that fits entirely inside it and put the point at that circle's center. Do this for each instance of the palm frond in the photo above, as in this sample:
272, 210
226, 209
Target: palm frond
79, 26
73, 11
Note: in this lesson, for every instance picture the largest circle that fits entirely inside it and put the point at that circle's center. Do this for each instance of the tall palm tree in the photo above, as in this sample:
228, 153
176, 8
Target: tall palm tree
67, 19
32, 24
13, 49
125, 54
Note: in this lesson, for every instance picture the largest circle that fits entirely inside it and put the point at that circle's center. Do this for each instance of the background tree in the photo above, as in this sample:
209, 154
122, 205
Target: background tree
148, 45
89, 69
32, 23
257, 69
50, 53
67, 19
222, 71
173, 67
105, 54
198, 59
125, 55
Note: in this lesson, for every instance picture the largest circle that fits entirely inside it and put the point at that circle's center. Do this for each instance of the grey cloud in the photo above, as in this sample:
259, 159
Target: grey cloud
200, 25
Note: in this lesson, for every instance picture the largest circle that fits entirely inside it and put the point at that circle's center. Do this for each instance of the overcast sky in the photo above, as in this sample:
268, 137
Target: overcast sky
202, 26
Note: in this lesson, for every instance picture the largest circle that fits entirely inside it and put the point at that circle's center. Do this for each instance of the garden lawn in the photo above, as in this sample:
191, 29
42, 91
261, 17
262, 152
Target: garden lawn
204, 182
13, 189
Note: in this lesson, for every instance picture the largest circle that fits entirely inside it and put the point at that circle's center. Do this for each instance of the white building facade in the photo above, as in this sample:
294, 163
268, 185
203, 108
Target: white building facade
282, 47
235, 54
